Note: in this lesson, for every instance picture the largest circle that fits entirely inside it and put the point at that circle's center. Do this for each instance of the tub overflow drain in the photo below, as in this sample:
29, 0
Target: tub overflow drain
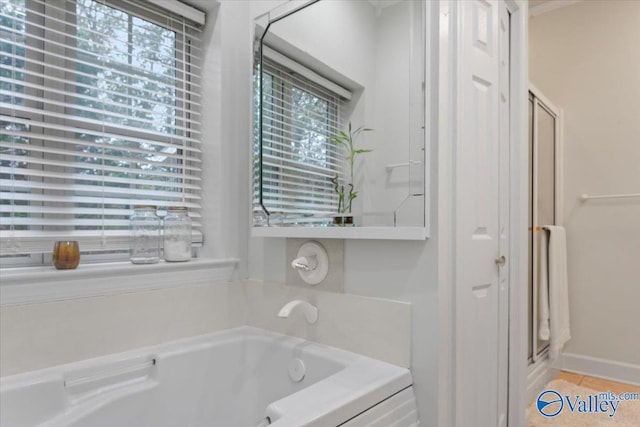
297, 370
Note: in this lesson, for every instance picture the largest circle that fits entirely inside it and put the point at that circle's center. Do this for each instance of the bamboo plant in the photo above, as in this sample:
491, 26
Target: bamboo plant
347, 140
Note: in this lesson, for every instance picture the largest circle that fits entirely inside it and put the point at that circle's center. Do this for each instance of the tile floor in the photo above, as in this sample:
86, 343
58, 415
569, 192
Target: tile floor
597, 384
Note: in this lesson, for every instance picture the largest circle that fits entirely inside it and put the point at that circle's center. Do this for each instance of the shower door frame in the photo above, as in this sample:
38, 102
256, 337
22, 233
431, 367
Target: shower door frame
540, 369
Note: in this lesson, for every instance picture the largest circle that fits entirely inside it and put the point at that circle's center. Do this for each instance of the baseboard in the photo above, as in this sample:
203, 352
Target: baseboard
602, 368
544, 371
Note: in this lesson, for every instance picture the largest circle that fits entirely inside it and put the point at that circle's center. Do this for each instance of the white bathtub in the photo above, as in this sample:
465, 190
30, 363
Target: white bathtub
242, 377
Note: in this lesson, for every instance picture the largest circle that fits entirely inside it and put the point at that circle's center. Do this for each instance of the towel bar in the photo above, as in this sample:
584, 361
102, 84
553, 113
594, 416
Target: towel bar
586, 197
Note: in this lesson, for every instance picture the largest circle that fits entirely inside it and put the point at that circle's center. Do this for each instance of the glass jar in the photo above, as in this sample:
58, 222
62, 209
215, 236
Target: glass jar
177, 234
144, 237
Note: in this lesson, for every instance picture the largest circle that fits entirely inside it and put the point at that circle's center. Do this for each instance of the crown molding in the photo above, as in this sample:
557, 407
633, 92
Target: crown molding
550, 6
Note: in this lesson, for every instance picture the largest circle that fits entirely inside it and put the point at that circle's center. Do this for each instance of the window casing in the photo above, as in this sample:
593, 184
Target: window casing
99, 111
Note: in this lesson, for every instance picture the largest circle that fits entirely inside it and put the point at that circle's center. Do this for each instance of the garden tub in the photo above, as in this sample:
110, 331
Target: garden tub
241, 377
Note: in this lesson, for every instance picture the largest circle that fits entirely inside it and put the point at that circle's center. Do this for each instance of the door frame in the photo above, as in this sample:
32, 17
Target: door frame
449, 24
519, 205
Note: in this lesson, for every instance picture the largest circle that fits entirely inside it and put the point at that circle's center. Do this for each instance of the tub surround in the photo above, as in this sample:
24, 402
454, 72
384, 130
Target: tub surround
378, 328
37, 336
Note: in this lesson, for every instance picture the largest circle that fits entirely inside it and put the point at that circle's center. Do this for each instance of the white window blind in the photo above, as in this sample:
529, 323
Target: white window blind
99, 111
298, 159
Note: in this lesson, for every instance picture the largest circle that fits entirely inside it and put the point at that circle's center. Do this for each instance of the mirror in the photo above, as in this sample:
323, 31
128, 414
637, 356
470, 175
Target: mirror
339, 119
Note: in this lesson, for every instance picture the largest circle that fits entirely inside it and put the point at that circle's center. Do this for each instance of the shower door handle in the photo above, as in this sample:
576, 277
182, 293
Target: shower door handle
500, 262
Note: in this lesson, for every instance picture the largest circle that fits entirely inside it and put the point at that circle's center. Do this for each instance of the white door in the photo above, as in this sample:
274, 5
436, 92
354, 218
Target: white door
482, 215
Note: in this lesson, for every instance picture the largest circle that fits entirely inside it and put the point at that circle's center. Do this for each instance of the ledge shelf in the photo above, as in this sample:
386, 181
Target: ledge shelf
373, 233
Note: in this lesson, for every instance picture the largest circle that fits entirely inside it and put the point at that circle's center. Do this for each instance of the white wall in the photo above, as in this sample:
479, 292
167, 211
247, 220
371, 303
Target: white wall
585, 59
235, 92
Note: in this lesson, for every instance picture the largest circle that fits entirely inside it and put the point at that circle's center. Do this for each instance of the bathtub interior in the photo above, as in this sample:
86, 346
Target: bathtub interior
227, 380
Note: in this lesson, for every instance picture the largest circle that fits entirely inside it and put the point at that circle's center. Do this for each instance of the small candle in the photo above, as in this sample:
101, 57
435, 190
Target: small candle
66, 254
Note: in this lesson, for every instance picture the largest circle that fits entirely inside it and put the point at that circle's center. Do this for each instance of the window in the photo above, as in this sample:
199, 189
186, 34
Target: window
98, 113
299, 161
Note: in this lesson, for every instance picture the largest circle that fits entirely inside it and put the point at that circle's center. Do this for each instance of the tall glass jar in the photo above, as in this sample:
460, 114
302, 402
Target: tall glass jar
177, 234
144, 237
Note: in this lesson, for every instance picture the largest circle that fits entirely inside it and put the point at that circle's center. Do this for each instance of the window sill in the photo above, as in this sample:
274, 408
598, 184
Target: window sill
44, 284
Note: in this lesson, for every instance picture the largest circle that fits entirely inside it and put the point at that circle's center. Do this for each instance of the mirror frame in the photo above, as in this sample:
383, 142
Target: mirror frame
430, 112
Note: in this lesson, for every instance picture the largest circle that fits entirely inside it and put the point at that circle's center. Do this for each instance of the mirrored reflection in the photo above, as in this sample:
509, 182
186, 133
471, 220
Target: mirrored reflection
339, 116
